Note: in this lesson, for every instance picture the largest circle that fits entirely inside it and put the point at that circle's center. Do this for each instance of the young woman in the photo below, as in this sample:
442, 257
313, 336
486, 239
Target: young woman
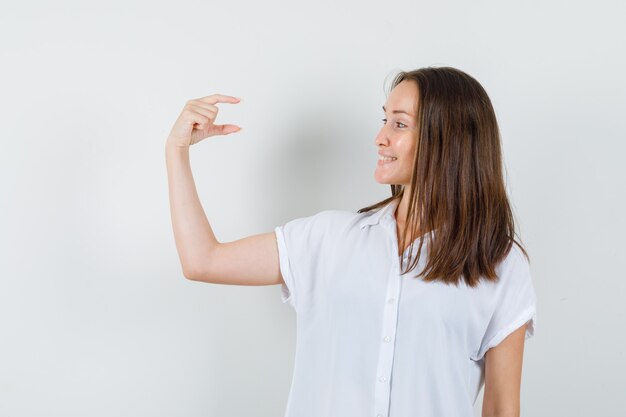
381, 332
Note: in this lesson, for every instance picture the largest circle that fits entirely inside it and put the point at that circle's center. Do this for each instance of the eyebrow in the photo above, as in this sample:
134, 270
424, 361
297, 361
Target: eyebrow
399, 111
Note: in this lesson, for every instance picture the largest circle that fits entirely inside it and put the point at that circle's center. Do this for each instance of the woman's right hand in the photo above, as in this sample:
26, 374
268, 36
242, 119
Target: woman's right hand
196, 121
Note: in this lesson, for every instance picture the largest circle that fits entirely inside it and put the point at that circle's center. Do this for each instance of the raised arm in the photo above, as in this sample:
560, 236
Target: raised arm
252, 260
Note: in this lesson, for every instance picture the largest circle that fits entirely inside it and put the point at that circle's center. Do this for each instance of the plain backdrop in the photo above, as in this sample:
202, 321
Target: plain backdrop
96, 318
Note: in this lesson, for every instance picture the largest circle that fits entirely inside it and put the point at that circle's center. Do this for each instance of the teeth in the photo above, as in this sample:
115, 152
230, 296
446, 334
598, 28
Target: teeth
387, 158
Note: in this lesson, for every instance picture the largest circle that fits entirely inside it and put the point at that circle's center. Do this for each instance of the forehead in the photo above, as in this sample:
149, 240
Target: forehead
404, 96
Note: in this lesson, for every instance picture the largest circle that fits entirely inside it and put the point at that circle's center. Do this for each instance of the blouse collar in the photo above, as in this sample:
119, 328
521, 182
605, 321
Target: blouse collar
385, 215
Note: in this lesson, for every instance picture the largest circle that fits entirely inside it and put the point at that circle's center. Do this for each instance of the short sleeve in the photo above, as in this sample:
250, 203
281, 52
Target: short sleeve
301, 244
515, 305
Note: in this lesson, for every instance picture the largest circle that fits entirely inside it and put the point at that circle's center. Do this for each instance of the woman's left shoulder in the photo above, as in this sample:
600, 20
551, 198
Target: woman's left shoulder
335, 218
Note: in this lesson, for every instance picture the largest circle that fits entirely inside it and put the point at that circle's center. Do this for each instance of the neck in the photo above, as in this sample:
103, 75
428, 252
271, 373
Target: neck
401, 214
402, 210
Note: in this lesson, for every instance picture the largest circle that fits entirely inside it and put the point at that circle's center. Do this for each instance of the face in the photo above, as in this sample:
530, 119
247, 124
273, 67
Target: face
398, 136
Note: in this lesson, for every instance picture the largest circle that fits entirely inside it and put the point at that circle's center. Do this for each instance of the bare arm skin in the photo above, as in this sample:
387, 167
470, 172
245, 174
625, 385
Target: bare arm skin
252, 260
503, 376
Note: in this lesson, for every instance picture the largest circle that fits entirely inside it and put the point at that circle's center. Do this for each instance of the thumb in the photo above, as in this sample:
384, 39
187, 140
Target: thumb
226, 129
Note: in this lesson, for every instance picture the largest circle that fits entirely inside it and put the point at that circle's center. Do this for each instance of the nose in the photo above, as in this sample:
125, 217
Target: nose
382, 138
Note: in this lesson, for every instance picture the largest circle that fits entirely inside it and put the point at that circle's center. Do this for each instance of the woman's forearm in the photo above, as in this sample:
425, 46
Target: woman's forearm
192, 232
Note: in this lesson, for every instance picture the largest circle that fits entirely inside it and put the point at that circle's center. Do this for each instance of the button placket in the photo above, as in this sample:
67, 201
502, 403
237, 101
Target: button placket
382, 395
387, 344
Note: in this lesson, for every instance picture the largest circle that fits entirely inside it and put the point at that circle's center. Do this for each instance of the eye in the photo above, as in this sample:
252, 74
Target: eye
398, 124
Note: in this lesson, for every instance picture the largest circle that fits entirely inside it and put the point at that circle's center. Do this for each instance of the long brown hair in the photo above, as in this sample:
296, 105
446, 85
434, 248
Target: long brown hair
457, 181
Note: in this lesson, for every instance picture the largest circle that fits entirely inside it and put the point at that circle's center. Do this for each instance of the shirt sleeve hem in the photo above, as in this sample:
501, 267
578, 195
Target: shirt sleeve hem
286, 289
528, 315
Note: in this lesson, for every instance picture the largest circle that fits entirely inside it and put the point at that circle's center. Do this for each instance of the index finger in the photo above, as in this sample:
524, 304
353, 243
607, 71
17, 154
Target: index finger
219, 98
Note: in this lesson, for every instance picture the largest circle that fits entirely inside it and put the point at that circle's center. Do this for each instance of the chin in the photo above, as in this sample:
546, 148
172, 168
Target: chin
379, 180
385, 181
388, 180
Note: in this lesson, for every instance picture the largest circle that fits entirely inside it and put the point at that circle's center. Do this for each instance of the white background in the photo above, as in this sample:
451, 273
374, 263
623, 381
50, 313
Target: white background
96, 317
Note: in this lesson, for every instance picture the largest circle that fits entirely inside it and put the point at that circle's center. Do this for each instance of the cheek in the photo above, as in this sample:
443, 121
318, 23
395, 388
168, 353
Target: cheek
409, 154
409, 161
407, 146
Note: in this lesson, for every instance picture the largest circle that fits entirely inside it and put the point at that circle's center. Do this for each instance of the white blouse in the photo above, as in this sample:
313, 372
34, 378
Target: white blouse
370, 342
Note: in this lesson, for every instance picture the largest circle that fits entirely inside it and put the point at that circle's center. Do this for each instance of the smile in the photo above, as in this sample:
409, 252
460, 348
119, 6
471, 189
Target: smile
387, 158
